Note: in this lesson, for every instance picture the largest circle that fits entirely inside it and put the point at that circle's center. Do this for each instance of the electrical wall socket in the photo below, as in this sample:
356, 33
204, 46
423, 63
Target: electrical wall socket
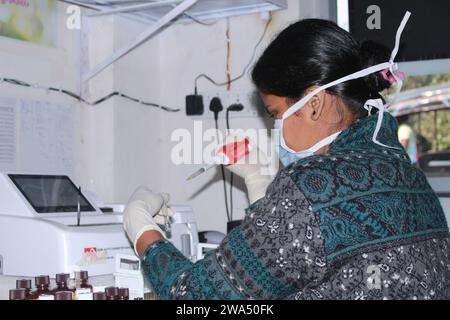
253, 105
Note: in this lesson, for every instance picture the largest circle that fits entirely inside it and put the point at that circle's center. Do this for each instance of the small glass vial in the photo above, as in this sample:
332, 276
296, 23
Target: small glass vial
82, 278
124, 294
24, 284
64, 295
62, 280
17, 294
99, 296
42, 289
112, 293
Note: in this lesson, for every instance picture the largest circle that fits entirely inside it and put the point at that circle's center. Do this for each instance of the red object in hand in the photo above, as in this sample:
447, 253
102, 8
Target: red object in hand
233, 152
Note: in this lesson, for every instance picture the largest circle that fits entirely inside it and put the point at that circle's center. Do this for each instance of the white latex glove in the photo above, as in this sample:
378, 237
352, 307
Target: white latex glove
253, 168
144, 211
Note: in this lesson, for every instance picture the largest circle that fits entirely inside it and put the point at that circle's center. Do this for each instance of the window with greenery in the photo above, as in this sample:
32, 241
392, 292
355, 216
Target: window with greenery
428, 112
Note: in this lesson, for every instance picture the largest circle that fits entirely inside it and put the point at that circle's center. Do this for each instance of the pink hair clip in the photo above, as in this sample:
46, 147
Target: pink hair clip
387, 75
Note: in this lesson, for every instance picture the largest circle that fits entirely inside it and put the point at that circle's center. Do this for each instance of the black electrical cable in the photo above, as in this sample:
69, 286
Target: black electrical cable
231, 175
221, 84
216, 107
224, 179
234, 107
79, 98
227, 117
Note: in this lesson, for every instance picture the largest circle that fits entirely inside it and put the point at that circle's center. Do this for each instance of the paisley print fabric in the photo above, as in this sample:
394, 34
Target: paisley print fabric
359, 222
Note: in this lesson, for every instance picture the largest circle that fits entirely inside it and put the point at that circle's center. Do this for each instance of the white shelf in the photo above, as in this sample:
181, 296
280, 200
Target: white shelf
160, 13
203, 10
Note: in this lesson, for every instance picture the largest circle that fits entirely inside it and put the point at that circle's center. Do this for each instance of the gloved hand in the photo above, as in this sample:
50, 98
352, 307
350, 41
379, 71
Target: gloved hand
254, 167
144, 211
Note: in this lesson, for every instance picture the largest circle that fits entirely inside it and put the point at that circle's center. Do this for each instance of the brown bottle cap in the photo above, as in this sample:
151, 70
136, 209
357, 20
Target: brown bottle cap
42, 280
99, 296
63, 295
62, 277
23, 284
112, 291
83, 275
17, 294
124, 292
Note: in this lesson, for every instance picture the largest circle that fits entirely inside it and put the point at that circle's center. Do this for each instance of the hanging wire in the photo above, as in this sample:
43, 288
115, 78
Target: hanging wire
79, 98
244, 71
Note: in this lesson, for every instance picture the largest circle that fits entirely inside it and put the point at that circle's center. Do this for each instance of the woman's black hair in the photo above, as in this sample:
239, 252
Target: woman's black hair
316, 52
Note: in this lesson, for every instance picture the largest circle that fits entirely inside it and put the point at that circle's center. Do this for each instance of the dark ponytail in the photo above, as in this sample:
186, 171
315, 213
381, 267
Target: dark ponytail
316, 52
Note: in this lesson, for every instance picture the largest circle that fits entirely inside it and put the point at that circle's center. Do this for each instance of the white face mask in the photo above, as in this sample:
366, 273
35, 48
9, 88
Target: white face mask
287, 155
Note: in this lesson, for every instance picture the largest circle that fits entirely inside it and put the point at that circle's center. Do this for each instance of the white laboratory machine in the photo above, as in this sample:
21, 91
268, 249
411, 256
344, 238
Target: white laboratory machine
41, 231
128, 274
183, 231
441, 185
49, 226
436, 166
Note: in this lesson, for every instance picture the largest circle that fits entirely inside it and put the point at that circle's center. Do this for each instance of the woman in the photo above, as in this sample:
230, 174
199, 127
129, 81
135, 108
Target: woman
348, 217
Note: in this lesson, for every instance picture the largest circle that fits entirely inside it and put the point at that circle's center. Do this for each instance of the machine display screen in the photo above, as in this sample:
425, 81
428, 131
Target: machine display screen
51, 194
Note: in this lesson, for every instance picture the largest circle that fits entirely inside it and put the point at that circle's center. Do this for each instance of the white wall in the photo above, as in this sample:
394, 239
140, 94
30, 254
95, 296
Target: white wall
319, 9
163, 71
51, 66
59, 66
119, 144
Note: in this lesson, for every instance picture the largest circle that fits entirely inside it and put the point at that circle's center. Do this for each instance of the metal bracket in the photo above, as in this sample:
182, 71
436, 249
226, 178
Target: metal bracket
141, 38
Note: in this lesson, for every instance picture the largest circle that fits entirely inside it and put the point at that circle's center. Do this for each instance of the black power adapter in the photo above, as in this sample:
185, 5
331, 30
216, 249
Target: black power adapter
194, 105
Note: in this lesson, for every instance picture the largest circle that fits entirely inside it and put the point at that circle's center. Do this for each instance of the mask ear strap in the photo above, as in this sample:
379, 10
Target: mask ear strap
378, 103
393, 66
325, 142
359, 74
368, 106
398, 36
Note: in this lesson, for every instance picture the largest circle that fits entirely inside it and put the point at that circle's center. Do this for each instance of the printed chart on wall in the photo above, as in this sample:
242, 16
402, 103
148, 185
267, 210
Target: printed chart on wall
36, 136
46, 137
29, 20
7, 134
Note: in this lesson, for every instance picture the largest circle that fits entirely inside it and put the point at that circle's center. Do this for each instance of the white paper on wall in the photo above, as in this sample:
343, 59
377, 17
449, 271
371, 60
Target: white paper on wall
7, 134
46, 137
